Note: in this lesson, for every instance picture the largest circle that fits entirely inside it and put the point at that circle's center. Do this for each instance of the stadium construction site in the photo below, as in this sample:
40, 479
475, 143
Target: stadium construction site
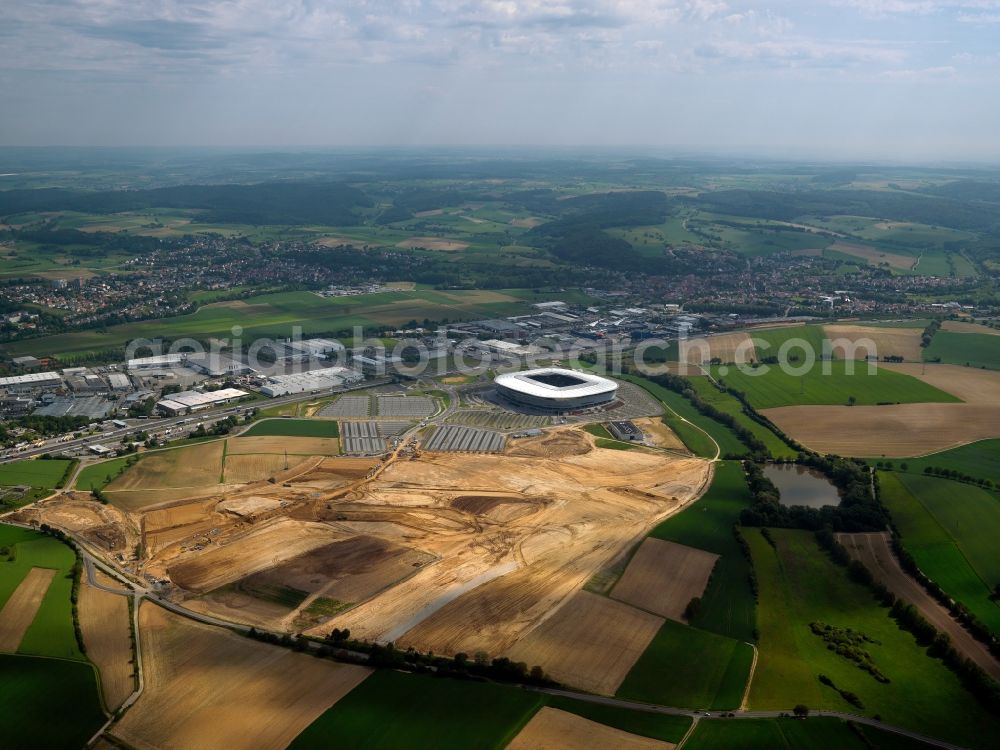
451, 538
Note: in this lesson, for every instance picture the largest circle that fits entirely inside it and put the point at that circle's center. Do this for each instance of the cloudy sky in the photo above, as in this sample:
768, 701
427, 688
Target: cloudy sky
892, 79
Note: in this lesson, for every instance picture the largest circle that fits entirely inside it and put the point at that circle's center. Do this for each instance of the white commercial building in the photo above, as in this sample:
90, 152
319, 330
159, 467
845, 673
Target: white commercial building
314, 380
181, 403
160, 360
31, 381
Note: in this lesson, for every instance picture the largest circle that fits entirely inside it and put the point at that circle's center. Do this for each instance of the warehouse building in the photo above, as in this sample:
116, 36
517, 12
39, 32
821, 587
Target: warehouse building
314, 380
31, 381
190, 401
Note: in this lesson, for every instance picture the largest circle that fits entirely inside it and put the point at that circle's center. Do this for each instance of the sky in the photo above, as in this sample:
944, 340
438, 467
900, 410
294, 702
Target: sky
896, 80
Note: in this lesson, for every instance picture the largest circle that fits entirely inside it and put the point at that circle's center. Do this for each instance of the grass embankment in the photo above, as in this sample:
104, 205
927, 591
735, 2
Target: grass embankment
98, 476
392, 710
293, 428
727, 606
950, 529
972, 349
728, 403
692, 431
830, 383
800, 585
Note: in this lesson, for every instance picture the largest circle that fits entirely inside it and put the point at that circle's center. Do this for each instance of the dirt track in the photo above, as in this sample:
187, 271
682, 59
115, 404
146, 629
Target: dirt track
875, 551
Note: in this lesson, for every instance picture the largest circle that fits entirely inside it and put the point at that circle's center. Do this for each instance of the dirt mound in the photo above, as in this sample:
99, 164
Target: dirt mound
553, 445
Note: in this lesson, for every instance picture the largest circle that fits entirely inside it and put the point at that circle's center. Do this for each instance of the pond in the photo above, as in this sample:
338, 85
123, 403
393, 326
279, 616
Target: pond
800, 485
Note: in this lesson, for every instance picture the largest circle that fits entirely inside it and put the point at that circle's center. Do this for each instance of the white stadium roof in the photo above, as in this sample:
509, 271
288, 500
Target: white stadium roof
533, 383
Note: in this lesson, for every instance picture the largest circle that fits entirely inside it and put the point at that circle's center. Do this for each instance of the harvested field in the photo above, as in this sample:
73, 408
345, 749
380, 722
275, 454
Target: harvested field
894, 431
874, 256
337, 241
663, 577
194, 466
529, 222
899, 342
972, 385
659, 434
589, 643
19, 611
961, 326
727, 347
552, 729
107, 633
265, 546
140, 499
875, 551
432, 243
208, 688
279, 444
252, 467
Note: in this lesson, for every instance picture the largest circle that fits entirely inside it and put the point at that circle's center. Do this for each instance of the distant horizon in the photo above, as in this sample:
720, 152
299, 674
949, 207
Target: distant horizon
507, 150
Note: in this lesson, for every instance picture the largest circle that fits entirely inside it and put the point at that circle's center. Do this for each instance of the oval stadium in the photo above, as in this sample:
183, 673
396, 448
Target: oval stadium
556, 389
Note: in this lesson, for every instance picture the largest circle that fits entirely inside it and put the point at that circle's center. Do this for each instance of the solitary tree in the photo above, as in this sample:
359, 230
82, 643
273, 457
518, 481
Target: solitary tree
801, 711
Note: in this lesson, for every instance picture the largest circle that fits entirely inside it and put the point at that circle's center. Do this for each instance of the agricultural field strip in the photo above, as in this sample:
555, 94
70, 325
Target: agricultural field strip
465, 439
663, 577
107, 632
22, 606
552, 729
875, 552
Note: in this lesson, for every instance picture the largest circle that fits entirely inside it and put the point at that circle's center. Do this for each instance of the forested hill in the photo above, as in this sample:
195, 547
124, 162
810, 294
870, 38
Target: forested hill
284, 203
899, 206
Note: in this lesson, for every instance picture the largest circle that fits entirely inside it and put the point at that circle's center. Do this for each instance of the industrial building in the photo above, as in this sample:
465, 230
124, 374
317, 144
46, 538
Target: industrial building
31, 381
188, 401
314, 380
624, 430
556, 389
157, 362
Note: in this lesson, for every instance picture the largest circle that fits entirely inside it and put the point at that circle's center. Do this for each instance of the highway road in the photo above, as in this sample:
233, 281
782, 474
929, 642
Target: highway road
159, 424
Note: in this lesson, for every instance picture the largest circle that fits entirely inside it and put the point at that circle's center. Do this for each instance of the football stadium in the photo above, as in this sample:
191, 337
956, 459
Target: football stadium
556, 389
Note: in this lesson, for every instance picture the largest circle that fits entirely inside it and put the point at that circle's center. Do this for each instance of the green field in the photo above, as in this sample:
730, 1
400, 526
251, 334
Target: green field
776, 388
980, 460
34, 472
51, 632
99, 475
692, 668
275, 315
47, 703
321, 428
768, 341
951, 529
728, 403
688, 431
818, 733
799, 585
972, 349
393, 710
727, 606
